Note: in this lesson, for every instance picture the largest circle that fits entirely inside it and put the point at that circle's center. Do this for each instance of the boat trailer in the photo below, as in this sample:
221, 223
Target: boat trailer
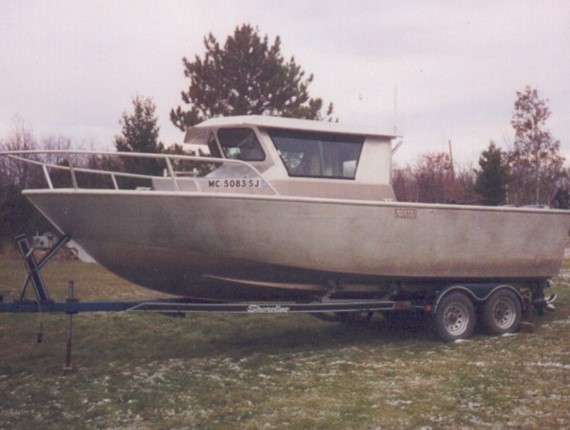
179, 306
460, 296
174, 306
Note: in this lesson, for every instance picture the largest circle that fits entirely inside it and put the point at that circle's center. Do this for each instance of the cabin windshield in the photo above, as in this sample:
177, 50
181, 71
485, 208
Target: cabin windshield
318, 155
240, 144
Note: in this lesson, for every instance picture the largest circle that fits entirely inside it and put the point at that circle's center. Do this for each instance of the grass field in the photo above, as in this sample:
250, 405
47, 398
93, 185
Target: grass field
269, 371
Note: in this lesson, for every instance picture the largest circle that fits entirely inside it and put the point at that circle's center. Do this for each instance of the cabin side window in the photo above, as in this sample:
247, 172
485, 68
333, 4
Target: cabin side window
213, 147
240, 144
318, 155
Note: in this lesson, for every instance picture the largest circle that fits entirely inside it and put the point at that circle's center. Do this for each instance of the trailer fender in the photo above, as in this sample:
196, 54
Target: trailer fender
479, 293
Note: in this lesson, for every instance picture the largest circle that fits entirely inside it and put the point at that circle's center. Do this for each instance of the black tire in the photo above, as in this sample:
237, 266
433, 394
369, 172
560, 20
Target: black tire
502, 313
454, 318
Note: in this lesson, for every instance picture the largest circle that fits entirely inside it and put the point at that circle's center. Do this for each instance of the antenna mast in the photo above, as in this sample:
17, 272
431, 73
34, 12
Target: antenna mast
451, 160
395, 109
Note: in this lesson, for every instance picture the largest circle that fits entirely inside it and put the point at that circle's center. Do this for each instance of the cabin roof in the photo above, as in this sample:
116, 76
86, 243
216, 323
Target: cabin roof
199, 132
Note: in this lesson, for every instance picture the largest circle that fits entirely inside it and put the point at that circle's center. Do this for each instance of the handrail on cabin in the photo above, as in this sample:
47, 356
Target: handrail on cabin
169, 171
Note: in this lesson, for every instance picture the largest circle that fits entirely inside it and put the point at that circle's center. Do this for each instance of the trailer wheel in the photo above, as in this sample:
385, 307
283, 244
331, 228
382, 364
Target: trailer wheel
454, 318
502, 313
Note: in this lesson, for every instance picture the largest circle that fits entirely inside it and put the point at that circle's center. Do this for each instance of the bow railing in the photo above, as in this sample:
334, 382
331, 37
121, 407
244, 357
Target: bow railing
141, 171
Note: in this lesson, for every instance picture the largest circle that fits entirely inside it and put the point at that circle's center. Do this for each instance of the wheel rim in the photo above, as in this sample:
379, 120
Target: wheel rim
456, 319
504, 313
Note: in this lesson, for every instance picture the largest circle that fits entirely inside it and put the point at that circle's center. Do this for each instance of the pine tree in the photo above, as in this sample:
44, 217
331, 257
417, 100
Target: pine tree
490, 183
140, 134
246, 76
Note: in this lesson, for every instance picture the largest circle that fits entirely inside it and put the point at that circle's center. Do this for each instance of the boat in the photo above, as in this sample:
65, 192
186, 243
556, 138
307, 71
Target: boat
289, 209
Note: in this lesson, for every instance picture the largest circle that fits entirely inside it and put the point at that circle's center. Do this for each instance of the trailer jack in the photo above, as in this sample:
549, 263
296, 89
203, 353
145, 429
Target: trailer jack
33, 267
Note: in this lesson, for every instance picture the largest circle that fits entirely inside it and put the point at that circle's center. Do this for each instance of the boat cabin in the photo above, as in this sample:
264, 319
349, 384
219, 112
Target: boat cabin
301, 157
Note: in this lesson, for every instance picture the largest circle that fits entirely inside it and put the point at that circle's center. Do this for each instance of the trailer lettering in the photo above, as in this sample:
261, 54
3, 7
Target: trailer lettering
258, 309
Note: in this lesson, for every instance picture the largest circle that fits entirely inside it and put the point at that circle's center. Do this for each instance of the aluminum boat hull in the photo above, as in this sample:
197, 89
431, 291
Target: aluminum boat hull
228, 246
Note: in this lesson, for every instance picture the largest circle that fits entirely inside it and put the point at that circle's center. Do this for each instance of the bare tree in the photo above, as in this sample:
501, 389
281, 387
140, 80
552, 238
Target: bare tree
20, 138
16, 214
432, 180
435, 178
4, 181
535, 161
405, 184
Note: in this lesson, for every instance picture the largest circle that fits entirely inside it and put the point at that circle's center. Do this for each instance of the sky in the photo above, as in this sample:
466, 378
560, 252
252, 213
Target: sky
440, 71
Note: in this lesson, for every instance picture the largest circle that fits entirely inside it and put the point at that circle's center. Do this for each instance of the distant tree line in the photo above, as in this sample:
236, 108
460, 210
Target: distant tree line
525, 173
249, 75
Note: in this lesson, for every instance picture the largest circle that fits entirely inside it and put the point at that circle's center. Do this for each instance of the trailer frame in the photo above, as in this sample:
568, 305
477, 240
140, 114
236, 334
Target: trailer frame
477, 294
177, 306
